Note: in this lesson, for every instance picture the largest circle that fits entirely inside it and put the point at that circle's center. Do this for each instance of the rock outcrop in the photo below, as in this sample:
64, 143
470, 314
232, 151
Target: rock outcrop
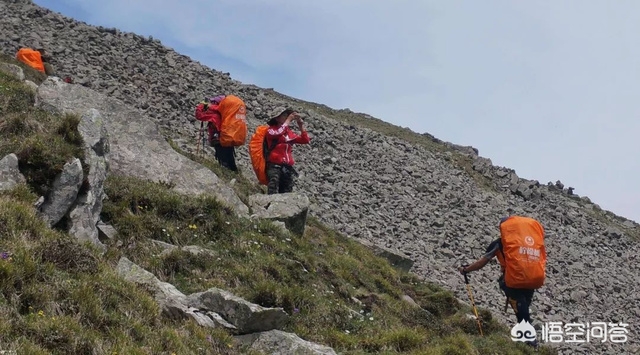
136, 146
85, 213
256, 326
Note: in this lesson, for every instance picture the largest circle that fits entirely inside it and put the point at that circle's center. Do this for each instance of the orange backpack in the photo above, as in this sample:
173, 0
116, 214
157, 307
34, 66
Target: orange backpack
233, 130
524, 257
31, 58
258, 155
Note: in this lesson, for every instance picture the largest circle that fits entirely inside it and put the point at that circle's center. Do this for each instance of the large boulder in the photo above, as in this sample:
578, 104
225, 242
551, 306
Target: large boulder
291, 208
277, 342
10, 175
85, 213
246, 316
136, 146
63, 193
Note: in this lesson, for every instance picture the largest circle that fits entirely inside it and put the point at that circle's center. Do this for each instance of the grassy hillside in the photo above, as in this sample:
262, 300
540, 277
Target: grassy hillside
61, 297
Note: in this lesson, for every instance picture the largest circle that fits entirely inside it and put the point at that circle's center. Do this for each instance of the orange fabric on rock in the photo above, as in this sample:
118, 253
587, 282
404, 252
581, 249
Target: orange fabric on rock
523, 256
233, 130
31, 58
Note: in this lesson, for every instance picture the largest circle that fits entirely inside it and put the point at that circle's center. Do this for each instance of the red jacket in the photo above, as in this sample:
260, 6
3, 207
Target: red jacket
211, 115
280, 141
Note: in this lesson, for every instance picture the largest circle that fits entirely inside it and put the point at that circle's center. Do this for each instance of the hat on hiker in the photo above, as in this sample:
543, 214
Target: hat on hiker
277, 112
216, 99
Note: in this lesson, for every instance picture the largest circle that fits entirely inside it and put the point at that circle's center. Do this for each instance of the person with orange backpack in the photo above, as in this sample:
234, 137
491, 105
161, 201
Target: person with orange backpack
522, 256
227, 126
279, 141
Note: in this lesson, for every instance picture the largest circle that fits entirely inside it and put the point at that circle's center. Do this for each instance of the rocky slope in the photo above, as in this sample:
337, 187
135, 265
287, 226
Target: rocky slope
436, 202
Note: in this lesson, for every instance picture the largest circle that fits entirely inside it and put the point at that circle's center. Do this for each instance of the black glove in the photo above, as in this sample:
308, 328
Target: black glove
461, 269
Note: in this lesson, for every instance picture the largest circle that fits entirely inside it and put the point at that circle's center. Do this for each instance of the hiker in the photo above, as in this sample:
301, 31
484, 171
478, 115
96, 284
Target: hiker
208, 111
279, 140
37, 59
522, 256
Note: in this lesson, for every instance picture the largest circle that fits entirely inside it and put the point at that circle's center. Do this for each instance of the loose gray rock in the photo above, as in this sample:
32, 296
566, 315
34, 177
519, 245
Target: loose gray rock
289, 208
277, 342
106, 232
33, 86
13, 70
246, 316
10, 175
64, 192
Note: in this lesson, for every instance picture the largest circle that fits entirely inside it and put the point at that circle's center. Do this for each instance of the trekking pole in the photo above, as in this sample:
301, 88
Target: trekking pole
198, 139
473, 304
204, 139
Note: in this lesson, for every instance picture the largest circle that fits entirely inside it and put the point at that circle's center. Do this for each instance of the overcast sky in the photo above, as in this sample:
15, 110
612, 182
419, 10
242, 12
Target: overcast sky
548, 88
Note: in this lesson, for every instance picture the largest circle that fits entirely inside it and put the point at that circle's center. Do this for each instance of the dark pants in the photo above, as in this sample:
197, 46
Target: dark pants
520, 300
226, 156
280, 178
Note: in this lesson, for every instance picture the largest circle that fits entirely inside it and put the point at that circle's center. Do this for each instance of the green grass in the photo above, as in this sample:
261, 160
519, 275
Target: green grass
59, 296
336, 291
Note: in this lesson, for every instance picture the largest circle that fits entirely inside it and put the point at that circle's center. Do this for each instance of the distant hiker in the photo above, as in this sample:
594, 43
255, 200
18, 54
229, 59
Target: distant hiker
32, 58
37, 59
227, 127
279, 139
522, 256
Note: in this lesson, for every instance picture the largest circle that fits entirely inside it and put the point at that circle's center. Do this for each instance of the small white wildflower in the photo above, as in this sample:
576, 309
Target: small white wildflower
370, 318
164, 230
347, 331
